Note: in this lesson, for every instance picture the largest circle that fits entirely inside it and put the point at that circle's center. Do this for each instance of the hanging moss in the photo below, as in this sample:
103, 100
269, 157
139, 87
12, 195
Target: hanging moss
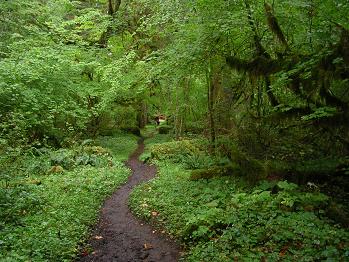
274, 24
260, 66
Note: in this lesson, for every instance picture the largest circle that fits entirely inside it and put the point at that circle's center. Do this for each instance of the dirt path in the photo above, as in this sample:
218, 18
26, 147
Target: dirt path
121, 237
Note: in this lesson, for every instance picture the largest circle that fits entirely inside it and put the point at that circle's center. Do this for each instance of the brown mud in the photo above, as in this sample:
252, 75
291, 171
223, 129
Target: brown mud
121, 237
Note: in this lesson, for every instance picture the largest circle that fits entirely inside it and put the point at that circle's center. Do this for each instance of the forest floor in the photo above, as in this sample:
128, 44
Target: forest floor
119, 236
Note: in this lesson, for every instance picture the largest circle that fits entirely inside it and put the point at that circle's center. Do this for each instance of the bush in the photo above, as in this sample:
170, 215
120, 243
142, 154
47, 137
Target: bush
164, 129
174, 150
132, 130
223, 219
69, 204
252, 169
45, 213
216, 171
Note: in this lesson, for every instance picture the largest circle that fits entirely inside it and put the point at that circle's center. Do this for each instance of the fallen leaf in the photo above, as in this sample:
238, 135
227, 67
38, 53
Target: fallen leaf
147, 246
98, 237
283, 250
84, 253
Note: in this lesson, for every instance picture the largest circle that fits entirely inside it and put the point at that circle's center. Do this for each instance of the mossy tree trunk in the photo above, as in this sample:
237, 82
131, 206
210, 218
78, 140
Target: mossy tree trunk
142, 116
213, 83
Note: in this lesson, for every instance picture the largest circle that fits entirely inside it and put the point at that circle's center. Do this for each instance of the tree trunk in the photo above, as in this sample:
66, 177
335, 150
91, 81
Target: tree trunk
142, 116
213, 84
117, 5
178, 116
270, 93
110, 8
111, 11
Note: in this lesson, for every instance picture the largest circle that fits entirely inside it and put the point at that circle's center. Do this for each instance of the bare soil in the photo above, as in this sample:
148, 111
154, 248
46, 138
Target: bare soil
121, 237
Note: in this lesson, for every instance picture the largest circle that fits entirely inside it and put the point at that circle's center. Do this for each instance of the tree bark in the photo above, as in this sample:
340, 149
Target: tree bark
142, 116
111, 11
213, 85
117, 5
270, 93
110, 8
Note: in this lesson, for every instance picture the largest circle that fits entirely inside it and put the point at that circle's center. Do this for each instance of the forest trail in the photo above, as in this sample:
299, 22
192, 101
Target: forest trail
119, 236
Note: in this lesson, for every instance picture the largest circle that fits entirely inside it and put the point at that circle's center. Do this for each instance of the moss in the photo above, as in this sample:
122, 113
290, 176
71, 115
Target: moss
216, 171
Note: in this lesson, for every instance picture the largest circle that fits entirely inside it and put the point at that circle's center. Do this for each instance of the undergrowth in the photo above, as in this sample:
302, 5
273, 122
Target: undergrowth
152, 139
49, 199
228, 219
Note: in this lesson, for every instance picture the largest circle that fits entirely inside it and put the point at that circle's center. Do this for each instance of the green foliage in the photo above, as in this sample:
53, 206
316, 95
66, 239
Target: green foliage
152, 139
53, 88
164, 129
320, 113
175, 150
16, 202
215, 171
53, 230
46, 101
266, 81
224, 219
322, 166
197, 161
47, 215
120, 145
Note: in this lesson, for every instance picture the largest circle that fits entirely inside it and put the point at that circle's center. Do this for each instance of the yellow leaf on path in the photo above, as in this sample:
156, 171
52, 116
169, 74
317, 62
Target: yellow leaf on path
147, 246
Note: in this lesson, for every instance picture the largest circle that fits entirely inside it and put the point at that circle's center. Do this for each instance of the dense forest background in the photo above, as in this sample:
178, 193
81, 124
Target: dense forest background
271, 76
264, 84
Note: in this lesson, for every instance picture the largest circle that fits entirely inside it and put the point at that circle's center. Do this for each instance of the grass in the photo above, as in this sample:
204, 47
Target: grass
121, 145
46, 217
228, 219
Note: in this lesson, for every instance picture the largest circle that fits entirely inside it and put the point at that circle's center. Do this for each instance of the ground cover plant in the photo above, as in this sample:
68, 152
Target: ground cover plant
48, 207
240, 91
228, 218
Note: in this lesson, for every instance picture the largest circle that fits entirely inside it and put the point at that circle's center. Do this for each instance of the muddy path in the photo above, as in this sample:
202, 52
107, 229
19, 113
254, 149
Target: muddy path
121, 237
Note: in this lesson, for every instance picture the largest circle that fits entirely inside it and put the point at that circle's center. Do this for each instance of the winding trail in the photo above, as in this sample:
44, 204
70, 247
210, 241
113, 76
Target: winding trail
119, 236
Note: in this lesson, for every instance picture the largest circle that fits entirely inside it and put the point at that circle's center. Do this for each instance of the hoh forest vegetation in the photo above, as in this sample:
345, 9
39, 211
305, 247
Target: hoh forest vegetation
243, 104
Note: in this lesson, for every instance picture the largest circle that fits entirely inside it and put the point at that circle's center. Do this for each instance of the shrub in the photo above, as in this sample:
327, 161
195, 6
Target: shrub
223, 219
45, 216
197, 161
164, 129
216, 171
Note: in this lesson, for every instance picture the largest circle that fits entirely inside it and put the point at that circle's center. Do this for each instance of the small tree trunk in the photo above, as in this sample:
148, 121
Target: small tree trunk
117, 5
110, 8
213, 83
177, 116
111, 11
271, 96
142, 116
